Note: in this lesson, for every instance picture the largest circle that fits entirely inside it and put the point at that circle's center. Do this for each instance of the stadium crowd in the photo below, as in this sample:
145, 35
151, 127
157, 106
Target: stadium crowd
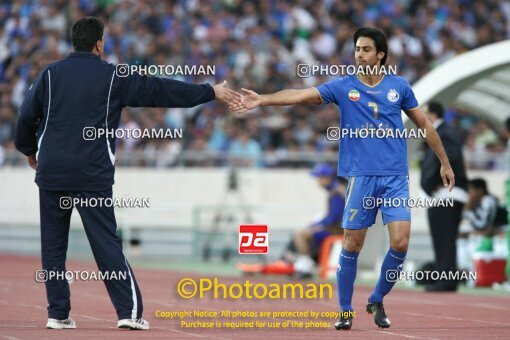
252, 44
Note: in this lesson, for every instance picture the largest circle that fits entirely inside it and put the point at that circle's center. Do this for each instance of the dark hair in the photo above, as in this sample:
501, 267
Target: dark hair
85, 33
479, 183
380, 42
436, 108
507, 124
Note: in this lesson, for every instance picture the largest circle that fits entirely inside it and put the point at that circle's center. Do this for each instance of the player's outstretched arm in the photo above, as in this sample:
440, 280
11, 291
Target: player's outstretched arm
252, 99
418, 117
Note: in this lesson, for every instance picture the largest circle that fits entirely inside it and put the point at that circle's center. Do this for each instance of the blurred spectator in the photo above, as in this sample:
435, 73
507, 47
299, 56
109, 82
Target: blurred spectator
482, 209
485, 219
245, 151
253, 44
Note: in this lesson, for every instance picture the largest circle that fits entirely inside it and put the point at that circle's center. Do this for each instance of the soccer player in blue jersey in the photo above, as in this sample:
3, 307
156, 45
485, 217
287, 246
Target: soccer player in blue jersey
375, 167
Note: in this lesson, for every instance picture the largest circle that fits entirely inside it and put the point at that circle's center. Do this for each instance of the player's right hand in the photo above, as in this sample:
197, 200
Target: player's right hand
250, 100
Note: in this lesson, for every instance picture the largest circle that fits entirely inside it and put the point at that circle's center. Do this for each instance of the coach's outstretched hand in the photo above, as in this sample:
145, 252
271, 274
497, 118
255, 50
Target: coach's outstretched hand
224, 94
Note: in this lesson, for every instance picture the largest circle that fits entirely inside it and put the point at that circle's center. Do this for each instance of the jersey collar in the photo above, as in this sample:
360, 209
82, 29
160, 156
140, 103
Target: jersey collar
83, 55
371, 86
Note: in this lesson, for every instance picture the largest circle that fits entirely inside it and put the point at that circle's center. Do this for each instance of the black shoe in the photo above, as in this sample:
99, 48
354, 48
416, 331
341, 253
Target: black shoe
377, 310
343, 323
441, 286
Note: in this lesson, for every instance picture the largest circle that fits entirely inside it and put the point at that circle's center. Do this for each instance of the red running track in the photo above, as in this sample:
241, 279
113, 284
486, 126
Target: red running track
414, 315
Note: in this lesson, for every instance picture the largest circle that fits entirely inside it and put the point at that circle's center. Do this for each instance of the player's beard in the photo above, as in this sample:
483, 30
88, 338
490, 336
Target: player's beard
368, 69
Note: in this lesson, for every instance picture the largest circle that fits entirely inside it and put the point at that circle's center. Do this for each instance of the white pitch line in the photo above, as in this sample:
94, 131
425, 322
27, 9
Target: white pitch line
107, 320
416, 314
186, 333
426, 302
22, 304
484, 305
457, 319
152, 327
404, 335
10, 337
93, 318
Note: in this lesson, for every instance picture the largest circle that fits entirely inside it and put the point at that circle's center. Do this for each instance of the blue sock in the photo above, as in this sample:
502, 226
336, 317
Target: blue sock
390, 269
345, 276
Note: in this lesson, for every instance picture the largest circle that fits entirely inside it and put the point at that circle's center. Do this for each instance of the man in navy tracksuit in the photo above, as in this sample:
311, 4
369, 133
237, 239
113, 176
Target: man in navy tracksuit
67, 96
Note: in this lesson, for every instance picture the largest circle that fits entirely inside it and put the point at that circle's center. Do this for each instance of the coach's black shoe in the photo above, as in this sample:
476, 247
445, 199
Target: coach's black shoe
377, 310
344, 323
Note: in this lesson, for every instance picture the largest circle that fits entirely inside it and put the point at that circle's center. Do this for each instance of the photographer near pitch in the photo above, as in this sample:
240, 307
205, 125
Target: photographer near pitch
68, 97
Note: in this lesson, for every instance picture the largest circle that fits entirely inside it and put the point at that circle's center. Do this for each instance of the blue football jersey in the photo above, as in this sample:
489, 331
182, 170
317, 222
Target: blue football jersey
363, 106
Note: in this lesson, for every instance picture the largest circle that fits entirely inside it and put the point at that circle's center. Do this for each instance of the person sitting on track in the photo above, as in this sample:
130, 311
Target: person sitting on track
304, 247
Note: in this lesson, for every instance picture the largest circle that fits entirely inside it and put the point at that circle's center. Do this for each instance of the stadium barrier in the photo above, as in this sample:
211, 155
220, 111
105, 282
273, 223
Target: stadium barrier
184, 203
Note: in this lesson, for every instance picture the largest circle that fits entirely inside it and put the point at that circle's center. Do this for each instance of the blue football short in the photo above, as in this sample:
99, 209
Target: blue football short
367, 194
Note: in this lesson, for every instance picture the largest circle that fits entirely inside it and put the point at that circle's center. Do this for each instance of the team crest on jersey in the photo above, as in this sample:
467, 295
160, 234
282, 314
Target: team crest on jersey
353, 95
392, 95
